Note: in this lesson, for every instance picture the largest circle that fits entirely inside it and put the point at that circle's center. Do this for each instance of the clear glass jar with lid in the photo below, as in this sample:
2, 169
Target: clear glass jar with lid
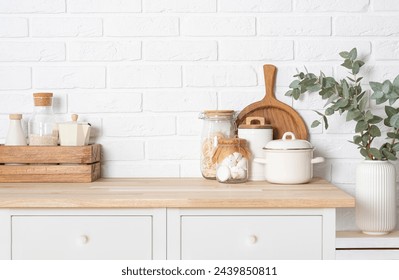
231, 158
42, 125
217, 124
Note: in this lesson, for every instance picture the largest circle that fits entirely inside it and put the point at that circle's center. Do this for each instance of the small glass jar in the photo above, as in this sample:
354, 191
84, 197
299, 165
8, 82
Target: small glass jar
217, 124
42, 125
231, 158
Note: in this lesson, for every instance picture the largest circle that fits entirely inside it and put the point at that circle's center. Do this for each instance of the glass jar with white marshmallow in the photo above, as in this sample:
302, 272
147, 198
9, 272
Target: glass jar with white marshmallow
231, 158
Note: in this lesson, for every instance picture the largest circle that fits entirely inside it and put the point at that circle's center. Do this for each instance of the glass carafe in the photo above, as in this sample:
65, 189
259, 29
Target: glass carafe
42, 125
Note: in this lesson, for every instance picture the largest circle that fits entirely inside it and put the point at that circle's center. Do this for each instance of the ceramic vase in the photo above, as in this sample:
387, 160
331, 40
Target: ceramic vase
375, 197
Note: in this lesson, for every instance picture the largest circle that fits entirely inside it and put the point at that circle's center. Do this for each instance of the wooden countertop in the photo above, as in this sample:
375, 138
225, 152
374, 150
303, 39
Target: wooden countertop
182, 193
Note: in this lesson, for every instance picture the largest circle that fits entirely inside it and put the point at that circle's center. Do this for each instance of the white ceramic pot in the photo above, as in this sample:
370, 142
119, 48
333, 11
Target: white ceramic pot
375, 197
257, 134
289, 160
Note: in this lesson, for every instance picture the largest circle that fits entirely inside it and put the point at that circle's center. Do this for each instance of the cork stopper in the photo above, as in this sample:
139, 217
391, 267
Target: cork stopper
74, 117
15, 117
43, 98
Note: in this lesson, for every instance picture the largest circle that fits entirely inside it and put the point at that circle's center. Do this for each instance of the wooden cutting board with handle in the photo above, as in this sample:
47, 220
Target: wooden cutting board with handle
282, 117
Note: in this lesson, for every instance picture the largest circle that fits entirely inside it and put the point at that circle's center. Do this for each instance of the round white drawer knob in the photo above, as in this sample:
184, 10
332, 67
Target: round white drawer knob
253, 239
84, 239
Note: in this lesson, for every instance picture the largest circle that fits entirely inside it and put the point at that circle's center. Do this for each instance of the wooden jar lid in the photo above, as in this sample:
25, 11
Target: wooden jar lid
43, 98
255, 123
15, 116
215, 113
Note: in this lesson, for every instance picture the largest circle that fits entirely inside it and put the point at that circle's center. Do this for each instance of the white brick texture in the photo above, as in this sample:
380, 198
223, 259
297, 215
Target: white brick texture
66, 27
32, 51
104, 51
217, 26
256, 50
104, 102
13, 27
332, 5
179, 6
104, 6
239, 6
139, 126
219, 76
140, 71
145, 76
141, 26
32, 6
69, 77
15, 77
295, 25
180, 50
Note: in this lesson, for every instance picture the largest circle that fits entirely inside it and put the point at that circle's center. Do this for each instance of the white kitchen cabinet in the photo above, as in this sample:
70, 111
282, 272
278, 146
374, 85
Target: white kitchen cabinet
88, 234
251, 234
169, 219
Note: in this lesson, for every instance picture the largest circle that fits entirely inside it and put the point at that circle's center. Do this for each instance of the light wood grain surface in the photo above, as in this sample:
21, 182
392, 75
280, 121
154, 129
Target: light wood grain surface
182, 193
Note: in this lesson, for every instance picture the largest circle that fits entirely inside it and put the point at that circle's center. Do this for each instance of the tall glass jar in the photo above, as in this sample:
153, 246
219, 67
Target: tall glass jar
217, 124
42, 125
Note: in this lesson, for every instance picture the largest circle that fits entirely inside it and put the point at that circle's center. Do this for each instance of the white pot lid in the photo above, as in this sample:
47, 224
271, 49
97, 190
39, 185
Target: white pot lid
288, 142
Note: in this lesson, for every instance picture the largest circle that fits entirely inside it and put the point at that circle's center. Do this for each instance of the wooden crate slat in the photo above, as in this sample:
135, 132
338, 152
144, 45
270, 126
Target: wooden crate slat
81, 173
50, 154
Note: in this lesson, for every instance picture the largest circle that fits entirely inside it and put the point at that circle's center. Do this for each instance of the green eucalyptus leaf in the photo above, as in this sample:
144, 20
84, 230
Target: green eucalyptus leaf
325, 122
344, 54
288, 93
395, 147
393, 135
359, 79
386, 87
353, 54
355, 68
396, 82
363, 104
315, 124
353, 114
296, 93
314, 88
345, 89
377, 94
375, 153
394, 121
364, 153
374, 120
390, 111
376, 86
375, 131
357, 139
294, 84
361, 126
347, 64
329, 112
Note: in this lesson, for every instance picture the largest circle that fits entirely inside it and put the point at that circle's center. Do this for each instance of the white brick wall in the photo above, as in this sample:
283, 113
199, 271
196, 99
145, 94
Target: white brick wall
140, 71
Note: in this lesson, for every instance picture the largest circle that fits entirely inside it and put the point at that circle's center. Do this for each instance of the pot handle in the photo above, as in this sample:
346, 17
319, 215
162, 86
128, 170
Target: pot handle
260, 160
317, 160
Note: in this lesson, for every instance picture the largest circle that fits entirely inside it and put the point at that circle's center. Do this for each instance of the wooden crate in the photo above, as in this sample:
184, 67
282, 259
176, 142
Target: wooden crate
59, 164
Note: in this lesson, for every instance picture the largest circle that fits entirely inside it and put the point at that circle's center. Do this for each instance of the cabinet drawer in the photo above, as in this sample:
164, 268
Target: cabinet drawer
251, 237
82, 237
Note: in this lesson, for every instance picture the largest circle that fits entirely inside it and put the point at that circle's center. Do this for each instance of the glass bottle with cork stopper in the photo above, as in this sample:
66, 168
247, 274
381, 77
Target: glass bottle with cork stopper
42, 125
231, 158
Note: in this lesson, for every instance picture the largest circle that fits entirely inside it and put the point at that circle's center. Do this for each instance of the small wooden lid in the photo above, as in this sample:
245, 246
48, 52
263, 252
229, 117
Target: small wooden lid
15, 116
232, 141
43, 98
255, 123
215, 113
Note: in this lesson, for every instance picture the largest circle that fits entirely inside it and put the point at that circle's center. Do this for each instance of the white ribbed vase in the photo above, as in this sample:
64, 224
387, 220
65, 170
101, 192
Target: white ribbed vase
375, 197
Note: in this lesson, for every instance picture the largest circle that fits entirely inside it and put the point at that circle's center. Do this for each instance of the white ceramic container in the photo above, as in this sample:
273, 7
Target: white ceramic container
74, 133
15, 135
257, 134
375, 197
289, 160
